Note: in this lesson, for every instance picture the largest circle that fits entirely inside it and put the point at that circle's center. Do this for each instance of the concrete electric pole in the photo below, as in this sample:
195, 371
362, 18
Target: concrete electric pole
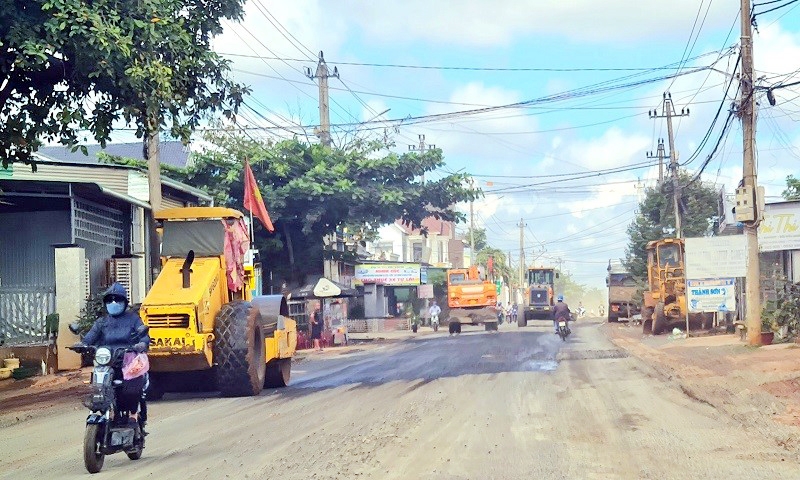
322, 74
660, 155
748, 196
472, 255
521, 288
668, 113
151, 154
421, 148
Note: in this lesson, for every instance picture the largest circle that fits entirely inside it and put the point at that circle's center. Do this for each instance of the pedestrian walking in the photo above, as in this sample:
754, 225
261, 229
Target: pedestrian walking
317, 324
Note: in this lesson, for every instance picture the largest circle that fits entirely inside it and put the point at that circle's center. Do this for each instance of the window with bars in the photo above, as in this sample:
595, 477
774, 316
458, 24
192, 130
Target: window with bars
97, 224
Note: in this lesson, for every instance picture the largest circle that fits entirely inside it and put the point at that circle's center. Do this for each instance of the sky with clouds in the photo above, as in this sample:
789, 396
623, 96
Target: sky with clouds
586, 74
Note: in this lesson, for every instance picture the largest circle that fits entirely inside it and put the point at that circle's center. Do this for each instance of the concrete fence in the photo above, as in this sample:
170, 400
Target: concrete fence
377, 325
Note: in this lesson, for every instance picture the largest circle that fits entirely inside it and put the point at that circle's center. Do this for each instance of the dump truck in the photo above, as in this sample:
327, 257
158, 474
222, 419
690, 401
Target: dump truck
621, 292
471, 300
208, 331
539, 299
665, 299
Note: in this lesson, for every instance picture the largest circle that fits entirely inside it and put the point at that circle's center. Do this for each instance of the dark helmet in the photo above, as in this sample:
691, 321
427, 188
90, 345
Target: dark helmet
116, 292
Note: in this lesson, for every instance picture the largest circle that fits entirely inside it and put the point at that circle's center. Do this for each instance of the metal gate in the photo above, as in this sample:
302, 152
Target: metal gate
23, 312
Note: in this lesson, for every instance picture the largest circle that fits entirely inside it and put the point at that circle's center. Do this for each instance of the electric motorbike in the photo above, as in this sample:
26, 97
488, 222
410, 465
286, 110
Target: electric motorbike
118, 408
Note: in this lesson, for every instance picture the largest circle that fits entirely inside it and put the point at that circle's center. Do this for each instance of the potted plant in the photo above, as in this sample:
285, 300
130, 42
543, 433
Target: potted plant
767, 332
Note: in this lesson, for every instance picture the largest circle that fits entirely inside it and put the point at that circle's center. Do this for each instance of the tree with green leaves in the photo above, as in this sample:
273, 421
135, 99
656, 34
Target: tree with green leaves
72, 66
792, 191
311, 190
655, 219
575, 292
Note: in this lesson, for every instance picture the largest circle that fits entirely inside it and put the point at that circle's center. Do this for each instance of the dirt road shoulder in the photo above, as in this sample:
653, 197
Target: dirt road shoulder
758, 387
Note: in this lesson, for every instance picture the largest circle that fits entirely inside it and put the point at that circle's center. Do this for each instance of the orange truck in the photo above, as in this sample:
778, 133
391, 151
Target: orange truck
471, 299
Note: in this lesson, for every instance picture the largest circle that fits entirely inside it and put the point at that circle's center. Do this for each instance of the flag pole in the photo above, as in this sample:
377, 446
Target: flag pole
252, 238
252, 233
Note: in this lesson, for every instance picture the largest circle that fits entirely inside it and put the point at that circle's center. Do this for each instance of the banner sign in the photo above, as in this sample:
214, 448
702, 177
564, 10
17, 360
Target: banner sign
716, 257
780, 229
711, 295
391, 274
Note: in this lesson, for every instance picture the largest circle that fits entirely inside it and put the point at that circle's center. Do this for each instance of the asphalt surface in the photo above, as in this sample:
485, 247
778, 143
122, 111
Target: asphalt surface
510, 405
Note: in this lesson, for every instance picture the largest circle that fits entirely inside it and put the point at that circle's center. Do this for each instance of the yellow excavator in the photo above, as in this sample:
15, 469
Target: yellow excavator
207, 330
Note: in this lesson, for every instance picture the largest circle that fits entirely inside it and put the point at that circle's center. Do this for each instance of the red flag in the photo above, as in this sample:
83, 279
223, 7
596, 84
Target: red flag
253, 200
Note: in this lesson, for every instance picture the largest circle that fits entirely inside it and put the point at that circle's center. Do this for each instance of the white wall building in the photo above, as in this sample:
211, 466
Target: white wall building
439, 247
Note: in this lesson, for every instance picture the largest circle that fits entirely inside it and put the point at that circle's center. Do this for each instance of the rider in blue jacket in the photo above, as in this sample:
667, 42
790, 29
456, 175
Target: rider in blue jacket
118, 328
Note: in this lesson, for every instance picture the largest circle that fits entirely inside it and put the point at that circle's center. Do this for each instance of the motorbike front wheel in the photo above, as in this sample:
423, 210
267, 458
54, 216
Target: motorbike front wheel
435, 327
92, 439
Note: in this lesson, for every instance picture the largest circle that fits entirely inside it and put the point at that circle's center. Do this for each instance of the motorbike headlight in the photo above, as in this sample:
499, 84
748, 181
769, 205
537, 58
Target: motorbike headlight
102, 356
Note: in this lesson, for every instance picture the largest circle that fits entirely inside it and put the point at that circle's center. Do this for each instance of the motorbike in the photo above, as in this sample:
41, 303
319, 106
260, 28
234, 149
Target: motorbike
435, 323
109, 427
563, 329
581, 312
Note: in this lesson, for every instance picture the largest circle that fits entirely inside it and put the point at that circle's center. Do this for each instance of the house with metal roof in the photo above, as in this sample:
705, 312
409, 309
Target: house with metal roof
71, 228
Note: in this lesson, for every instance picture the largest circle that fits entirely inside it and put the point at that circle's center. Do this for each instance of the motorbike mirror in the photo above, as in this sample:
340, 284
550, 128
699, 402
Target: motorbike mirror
74, 328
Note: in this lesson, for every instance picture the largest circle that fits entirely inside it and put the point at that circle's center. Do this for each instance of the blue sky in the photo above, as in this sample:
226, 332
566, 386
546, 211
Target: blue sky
582, 221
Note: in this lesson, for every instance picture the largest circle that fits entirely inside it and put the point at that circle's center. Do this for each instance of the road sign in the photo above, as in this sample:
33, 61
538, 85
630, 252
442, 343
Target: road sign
711, 295
716, 257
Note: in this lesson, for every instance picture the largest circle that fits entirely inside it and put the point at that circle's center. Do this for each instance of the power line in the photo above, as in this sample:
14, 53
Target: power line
755, 14
271, 19
686, 48
472, 68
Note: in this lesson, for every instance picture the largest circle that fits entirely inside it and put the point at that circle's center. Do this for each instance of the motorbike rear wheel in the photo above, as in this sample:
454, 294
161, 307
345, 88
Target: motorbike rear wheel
136, 453
92, 458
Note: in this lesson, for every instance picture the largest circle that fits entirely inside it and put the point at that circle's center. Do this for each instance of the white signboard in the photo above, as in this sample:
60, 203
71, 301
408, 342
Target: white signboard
711, 295
716, 257
392, 274
780, 228
425, 291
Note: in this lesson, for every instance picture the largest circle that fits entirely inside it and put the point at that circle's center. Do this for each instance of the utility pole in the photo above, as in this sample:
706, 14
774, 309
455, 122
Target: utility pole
322, 74
472, 256
660, 155
521, 288
668, 113
151, 153
421, 148
747, 113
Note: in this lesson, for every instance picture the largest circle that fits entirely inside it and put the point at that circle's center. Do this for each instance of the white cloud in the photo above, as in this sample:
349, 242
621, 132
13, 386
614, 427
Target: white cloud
481, 23
492, 139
